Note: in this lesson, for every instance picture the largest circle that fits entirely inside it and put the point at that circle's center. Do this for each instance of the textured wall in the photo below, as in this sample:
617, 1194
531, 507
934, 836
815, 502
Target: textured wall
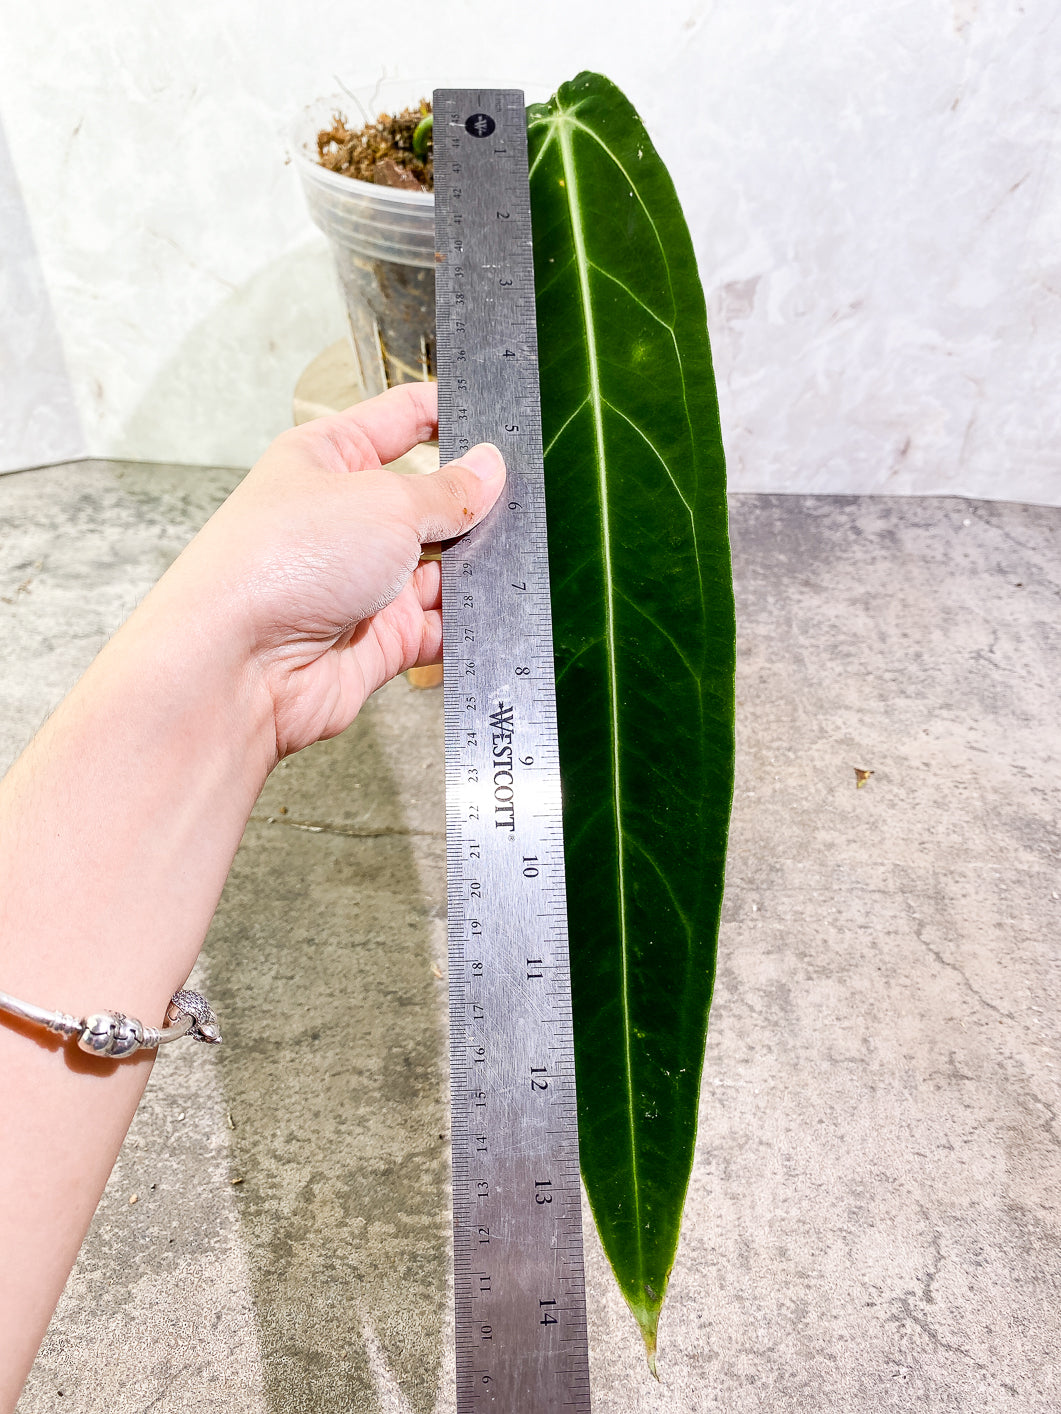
874, 191
38, 416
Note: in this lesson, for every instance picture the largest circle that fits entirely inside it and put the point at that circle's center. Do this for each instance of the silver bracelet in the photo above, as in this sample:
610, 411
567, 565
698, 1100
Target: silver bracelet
116, 1035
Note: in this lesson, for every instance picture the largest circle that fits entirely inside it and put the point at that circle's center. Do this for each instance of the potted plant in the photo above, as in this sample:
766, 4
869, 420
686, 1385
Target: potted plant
370, 193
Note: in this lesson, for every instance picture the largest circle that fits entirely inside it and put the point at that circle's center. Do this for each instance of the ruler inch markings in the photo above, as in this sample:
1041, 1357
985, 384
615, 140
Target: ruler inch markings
519, 1279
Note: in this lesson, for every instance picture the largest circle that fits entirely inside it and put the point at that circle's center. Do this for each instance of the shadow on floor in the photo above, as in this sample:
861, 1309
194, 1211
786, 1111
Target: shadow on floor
324, 959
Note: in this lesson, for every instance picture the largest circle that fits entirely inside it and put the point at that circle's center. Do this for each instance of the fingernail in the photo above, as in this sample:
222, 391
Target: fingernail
484, 460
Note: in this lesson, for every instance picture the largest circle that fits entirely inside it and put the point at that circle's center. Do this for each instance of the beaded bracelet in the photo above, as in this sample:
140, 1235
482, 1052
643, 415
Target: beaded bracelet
115, 1035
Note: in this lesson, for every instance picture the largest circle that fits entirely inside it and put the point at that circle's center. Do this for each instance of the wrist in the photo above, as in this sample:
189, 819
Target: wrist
192, 642
119, 823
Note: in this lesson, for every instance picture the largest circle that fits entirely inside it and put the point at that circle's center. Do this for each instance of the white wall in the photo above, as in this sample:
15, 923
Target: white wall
873, 187
38, 418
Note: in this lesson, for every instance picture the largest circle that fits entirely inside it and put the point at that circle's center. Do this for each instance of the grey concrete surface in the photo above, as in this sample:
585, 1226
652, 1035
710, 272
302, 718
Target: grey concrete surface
873, 1220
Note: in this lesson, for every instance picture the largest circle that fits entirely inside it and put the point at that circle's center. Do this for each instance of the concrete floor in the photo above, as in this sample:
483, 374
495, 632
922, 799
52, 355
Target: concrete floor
873, 1221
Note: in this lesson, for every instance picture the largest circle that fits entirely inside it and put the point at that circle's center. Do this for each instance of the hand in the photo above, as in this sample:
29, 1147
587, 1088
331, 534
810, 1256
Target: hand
313, 561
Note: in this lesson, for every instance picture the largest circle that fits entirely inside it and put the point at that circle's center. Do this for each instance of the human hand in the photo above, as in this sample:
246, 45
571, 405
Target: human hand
312, 564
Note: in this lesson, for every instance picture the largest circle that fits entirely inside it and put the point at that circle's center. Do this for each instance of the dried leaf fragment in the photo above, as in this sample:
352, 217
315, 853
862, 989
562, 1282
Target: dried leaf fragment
861, 777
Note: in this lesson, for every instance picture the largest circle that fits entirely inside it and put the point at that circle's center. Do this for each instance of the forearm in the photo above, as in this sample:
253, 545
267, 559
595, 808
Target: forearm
117, 829
301, 596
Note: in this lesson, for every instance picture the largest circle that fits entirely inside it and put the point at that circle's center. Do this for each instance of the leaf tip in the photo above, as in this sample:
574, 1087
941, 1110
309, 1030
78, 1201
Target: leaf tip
647, 1318
650, 1353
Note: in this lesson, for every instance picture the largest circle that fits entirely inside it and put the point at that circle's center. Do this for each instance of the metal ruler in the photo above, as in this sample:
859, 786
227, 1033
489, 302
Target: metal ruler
517, 1227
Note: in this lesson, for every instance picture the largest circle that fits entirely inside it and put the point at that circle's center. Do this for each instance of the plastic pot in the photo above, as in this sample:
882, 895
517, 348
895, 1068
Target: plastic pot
383, 242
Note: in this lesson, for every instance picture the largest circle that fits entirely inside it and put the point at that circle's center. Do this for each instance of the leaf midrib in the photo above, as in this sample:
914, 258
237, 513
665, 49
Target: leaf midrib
582, 263
635, 191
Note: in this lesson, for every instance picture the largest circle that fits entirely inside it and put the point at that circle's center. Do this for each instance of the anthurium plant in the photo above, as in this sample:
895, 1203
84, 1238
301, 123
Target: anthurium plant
644, 633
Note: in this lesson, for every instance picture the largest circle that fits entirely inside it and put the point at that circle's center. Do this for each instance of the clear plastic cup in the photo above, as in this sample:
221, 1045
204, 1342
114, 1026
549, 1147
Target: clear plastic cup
383, 241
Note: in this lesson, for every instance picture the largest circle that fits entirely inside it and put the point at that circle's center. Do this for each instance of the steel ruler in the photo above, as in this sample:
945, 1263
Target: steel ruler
517, 1227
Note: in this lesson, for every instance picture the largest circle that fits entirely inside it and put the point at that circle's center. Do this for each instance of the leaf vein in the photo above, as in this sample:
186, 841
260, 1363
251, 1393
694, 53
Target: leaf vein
554, 439
632, 184
679, 910
554, 275
636, 298
595, 643
633, 187
545, 145
640, 609
579, 241
665, 465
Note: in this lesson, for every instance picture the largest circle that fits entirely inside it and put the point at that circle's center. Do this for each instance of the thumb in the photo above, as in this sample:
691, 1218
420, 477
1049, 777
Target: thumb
451, 500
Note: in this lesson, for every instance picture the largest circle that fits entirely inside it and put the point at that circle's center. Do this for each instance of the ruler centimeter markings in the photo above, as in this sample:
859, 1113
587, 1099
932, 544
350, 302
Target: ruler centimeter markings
519, 1284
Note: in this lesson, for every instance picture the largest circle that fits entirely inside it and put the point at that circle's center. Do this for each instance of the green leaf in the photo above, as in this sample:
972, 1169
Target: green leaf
644, 631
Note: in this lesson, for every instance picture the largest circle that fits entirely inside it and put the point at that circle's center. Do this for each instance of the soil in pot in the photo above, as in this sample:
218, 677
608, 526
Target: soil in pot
381, 152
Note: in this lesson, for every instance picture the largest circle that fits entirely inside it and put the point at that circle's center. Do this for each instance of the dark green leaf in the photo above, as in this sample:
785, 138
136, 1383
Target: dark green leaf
644, 628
